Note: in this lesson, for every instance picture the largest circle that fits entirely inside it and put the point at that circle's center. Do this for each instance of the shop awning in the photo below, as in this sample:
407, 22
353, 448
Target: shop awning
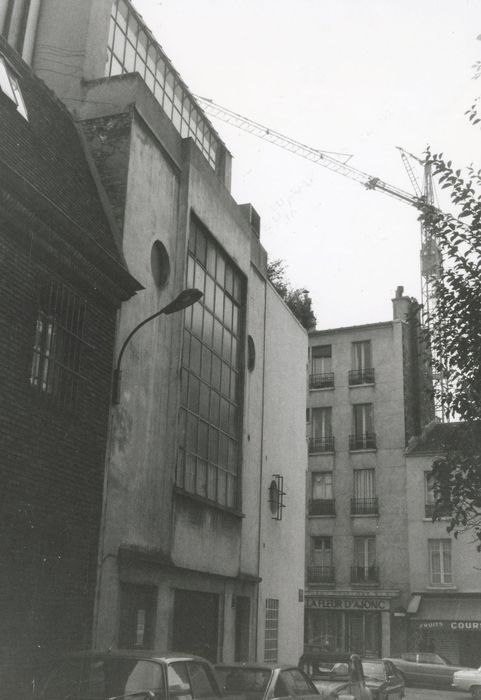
449, 612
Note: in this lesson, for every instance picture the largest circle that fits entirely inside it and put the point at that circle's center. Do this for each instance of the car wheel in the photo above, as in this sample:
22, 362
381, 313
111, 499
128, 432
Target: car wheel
476, 692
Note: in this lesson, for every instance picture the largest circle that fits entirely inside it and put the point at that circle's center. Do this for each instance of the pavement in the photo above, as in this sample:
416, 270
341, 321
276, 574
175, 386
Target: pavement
429, 694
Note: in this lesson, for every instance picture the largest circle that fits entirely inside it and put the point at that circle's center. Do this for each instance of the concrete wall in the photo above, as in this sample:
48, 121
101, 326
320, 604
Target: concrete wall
284, 453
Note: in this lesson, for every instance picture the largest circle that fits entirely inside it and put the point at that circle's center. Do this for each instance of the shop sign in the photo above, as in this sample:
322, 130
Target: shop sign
453, 625
348, 603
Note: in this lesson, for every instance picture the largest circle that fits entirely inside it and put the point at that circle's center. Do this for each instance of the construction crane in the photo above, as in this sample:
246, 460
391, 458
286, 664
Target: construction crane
338, 163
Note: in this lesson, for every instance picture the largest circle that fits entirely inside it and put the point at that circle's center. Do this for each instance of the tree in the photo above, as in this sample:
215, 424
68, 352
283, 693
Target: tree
455, 339
298, 300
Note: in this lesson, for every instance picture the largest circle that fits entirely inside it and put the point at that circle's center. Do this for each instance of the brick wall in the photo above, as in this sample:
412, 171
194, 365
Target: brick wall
51, 464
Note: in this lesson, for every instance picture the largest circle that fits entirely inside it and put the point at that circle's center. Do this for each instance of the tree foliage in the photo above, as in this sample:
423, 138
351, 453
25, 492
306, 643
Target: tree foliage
455, 339
298, 300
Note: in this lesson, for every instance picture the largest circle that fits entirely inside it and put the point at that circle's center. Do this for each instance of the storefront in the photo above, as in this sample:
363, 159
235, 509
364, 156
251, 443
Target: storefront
448, 625
349, 622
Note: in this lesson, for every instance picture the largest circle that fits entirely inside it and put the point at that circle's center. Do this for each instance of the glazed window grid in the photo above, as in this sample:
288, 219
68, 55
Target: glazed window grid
210, 415
132, 48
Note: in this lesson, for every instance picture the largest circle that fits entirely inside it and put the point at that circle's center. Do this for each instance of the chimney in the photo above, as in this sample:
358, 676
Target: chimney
401, 305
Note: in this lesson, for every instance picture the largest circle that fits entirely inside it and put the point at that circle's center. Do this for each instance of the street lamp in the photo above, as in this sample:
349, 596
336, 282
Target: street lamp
186, 298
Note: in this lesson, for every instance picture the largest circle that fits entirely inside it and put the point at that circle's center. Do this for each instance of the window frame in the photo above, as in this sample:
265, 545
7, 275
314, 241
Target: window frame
438, 546
9, 86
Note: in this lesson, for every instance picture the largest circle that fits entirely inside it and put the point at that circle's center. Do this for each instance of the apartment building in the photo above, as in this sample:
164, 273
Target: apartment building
366, 399
201, 493
444, 612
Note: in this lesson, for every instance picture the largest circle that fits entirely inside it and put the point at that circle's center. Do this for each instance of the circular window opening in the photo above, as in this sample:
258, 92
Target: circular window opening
251, 353
159, 263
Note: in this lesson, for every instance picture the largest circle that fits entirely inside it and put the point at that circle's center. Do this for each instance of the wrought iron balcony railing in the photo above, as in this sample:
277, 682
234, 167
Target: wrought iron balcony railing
320, 574
322, 506
362, 441
364, 506
361, 376
321, 444
365, 574
325, 380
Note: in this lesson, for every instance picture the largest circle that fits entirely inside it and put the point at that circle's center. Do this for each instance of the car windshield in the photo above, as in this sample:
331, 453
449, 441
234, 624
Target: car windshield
102, 678
251, 682
375, 670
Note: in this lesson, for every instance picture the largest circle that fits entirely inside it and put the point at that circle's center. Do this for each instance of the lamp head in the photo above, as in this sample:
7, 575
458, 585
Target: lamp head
186, 298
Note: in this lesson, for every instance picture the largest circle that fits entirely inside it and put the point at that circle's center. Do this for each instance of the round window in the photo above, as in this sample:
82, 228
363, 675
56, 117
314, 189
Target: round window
159, 263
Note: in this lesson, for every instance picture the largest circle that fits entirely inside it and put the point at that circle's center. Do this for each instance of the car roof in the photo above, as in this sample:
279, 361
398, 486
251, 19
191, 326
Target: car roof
254, 666
145, 654
335, 658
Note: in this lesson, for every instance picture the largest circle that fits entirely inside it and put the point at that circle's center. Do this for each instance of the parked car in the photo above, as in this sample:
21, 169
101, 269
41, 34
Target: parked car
425, 668
383, 679
468, 679
336, 675
143, 675
262, 681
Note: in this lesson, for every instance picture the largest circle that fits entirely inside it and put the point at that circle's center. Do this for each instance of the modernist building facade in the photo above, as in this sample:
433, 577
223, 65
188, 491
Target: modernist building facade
366, 398
444, 612
62, 282
202, 494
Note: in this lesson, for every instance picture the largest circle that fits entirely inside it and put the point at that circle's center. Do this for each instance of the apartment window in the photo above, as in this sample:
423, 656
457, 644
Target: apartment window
322, 376
59, 344
363, 436
364, 569
322, 551
321, 439
9, 86
321, 502
364, 501
131, 47
429, 498
271, 632
210, 417
362, 371
321, 569
440, 567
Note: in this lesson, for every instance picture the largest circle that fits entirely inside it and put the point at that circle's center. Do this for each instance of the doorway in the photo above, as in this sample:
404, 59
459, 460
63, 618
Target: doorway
196, 623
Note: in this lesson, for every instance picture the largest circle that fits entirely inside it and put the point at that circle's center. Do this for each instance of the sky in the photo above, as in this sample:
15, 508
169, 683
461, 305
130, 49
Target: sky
353, 76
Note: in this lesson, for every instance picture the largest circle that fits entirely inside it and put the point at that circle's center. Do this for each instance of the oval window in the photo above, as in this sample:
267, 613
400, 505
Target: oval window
159, 263
251, 353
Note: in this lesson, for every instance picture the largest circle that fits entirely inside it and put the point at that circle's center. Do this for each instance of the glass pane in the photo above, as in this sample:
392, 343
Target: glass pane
129, 59
132, 30
203, 439
122, 14
142, 43
213, 445
204, 403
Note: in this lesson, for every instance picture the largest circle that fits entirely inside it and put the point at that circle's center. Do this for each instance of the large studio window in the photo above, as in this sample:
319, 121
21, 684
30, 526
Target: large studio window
211, 380
59, 344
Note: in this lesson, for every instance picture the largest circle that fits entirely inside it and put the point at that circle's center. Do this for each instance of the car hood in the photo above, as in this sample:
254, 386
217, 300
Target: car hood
327, 688
468, 672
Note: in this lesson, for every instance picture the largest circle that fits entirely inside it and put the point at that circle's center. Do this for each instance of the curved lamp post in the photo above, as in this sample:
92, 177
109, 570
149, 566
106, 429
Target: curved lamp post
186, 298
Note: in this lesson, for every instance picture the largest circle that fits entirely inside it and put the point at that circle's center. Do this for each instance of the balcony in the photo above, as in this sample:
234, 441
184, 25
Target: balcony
361, 376
320, 574
321, 381
363, 441
365, 574
364, 506
322, 506
321, 444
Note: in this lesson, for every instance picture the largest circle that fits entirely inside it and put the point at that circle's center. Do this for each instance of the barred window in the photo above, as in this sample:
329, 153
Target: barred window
210, 417
271, 636
59, 344
131, 47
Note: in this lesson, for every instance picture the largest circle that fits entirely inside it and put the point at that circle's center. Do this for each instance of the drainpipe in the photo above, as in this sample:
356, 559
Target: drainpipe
31, 31
261, 475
